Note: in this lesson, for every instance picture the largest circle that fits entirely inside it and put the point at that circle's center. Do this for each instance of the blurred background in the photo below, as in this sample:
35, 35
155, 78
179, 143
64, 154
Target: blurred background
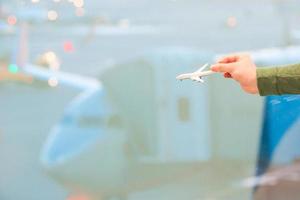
90, 108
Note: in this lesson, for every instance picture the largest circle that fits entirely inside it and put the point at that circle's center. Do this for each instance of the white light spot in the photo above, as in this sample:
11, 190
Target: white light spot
53, 82
52, 15
50, 56
78, 3
231, 22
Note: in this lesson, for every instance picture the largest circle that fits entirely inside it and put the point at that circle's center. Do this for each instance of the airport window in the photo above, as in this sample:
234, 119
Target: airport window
92, 105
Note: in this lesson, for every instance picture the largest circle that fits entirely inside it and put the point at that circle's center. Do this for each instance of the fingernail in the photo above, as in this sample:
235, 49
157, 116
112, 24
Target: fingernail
227, 75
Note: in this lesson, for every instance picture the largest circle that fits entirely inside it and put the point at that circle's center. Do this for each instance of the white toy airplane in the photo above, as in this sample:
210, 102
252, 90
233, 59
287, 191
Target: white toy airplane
197, 75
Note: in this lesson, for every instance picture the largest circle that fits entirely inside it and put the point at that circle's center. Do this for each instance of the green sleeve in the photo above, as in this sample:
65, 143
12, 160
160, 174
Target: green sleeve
279, 80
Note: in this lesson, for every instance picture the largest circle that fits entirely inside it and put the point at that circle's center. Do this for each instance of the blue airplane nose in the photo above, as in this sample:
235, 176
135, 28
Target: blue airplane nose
86, 149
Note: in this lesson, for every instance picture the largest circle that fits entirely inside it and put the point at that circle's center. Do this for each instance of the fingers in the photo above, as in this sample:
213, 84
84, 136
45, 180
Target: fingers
229, 59
220, 67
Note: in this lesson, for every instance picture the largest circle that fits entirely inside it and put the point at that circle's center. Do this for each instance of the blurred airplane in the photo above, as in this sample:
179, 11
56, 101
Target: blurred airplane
96, 148
197, 75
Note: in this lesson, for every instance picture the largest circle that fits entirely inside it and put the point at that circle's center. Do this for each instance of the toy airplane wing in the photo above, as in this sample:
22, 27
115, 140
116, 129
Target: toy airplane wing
201, 68
197, 79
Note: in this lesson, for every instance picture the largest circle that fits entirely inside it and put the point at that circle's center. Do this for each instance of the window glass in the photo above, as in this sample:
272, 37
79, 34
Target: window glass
90, 107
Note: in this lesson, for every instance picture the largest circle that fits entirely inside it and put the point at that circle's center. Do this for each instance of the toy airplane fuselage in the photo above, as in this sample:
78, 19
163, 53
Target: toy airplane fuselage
197, 75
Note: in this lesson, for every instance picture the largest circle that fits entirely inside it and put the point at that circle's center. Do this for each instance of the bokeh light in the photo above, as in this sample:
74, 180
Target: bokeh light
52, 60
50, 56
78, 3
232, 22
52, 15
12, 20
68, 46
35, 1
13, 68
49, 59
53, 82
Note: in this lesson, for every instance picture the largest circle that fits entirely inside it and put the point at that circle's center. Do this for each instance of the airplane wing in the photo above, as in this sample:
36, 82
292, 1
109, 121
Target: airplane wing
63, 78
201, 68
197, 78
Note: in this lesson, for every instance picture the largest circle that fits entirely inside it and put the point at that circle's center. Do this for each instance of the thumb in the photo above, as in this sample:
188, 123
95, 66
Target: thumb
223, 67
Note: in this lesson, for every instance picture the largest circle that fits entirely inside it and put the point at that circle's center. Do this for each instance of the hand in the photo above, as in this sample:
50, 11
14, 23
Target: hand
241, 68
